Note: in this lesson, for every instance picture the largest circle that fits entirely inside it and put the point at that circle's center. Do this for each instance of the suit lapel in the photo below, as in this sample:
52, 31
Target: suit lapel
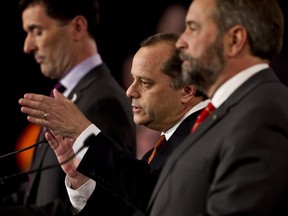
186, 143
177, 137
89, 79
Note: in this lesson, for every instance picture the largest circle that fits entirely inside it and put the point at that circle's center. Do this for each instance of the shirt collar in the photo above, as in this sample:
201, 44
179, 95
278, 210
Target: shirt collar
79, 71
197, 107
225, 90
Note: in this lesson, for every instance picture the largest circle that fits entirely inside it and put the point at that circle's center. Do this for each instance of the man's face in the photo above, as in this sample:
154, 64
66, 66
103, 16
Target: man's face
201, 47
156, 104
50, 42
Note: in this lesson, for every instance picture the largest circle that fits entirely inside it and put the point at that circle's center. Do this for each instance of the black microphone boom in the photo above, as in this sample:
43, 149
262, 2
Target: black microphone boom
7, 187
24, 175
21, 150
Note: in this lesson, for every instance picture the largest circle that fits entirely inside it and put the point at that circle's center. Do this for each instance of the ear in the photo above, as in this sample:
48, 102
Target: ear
79, 26
187, 92
236, 40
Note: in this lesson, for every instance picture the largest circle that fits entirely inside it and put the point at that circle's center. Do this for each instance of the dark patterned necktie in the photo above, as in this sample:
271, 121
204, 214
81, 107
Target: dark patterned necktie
157, 147
203, 115
59, 87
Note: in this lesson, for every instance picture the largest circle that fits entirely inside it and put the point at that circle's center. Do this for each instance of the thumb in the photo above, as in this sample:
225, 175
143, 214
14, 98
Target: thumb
57, 94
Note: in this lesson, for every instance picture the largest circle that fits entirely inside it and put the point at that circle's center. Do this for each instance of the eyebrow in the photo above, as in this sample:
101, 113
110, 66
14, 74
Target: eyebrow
33, 26
192, 22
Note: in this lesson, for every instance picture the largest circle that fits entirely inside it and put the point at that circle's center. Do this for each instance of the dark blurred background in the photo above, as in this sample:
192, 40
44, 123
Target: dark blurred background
123, 25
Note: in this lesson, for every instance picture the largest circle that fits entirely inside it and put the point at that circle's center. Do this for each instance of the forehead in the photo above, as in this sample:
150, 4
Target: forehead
201, 10
34, 15
34, 10
152, 58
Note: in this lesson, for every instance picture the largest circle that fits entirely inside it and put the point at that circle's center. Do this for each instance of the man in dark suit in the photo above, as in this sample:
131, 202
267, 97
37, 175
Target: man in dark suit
236, 162
160, 101
62, 37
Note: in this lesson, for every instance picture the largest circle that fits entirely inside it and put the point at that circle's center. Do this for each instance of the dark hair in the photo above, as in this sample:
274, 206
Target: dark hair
173, 66
66, 10
263, 20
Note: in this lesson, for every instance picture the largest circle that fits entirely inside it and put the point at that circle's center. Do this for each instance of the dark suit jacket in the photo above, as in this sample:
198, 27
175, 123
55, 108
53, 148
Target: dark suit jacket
123, 183
104, 102
236, 163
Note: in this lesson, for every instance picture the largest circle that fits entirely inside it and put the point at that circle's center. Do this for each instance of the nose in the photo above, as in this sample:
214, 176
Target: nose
132, 92
29, 44
181, 42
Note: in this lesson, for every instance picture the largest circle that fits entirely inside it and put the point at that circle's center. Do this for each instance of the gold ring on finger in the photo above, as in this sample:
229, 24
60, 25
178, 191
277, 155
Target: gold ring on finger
45, 116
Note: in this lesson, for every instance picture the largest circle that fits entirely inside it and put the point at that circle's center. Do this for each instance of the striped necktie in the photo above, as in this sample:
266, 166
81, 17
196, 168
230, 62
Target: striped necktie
157, 147
203, 115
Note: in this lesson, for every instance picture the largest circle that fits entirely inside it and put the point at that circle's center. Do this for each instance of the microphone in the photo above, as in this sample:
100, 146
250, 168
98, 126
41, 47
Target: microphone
24, 175
21, 150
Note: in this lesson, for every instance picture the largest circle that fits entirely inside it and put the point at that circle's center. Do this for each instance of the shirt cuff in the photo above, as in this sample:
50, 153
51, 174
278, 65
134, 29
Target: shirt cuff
79, 142
79, 197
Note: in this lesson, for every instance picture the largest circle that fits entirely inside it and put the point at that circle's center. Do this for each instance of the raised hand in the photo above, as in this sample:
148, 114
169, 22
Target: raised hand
57, 113
66, 157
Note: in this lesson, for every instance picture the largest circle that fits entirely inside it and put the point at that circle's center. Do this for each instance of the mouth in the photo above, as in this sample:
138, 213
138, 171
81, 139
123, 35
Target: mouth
185, 61
39, 59
136, 109
184, 58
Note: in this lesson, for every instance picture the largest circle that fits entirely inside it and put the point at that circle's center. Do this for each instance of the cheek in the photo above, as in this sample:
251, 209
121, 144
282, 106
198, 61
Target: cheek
196, 49
166, 102
56, 42
159, 101
49, 48
152, 103
199, 44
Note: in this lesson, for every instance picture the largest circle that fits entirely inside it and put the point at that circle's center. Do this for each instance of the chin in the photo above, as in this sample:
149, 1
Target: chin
141, 122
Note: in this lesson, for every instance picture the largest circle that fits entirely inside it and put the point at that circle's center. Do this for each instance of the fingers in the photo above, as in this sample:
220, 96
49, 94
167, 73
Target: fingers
59, 144
34, 100
34, 112
52, 141
57, 94
60, 96
31, 97
35, 105
55, 140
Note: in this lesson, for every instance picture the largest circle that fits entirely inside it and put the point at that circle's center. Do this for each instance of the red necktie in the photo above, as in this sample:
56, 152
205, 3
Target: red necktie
203, 115
157, 147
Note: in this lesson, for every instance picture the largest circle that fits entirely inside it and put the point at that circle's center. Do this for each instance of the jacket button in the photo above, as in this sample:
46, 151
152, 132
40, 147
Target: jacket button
92, 172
